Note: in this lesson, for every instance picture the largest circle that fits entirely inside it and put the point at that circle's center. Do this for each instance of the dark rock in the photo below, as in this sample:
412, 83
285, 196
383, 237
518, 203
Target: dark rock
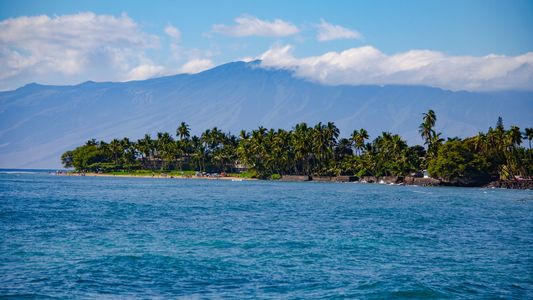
369, 179
295, 178
526, 184
390, 179
421, 181
342, 178
323, 178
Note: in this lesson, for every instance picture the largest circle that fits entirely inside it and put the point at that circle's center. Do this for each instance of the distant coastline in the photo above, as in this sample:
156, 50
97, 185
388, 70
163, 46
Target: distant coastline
318, 153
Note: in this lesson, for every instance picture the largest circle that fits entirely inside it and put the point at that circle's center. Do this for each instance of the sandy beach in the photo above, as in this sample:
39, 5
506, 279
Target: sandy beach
159, 176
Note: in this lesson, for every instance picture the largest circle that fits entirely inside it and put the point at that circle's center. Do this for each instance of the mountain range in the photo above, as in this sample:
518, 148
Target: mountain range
39, 122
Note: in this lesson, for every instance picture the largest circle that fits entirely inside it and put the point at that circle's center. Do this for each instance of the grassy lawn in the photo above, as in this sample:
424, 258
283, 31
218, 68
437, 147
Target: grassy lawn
150, 172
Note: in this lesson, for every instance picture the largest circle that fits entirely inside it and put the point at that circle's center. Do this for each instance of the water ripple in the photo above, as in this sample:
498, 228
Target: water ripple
64, 237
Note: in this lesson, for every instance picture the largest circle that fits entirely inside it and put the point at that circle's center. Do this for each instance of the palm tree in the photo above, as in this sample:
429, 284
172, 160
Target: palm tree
320, 145
183, 131
431, 138
145, 146
528, 134
116, 150
480, 142
128, 152
202, 152
332, 133
512, 139
243, 135
363, 135
515, 135
198, 152
91, 142
430, 117
254, 150
436, 141
358, 138
283, 151
343, 149
166, 149
303, 147
426, 127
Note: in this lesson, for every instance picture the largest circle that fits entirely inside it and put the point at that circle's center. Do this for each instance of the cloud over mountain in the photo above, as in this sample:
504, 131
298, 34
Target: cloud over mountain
69, 49
195, 66
368, 65
145, 71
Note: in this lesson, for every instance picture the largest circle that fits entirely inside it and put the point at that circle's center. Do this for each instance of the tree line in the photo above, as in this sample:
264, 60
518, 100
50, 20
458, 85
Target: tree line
316, 150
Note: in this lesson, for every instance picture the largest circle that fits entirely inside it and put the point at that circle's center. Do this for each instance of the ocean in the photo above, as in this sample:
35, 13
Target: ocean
93, 237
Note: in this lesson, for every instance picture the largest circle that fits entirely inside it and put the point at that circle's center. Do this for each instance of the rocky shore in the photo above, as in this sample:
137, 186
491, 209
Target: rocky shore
410, 180
524, 184
366, 179
512, 184
319, 178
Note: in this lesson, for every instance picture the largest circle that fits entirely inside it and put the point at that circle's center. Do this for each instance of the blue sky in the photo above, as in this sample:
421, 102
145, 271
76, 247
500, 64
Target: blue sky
203, 34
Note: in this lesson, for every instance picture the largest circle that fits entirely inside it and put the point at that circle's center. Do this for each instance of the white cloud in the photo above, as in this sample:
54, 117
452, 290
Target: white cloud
251, 26
84, 45
327, 32
196, 66
145, 71
368, 65
247, 59
173, 32
73, 48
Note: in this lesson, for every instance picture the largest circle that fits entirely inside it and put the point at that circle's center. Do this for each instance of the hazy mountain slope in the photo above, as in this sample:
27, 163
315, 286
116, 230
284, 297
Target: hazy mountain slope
38, 123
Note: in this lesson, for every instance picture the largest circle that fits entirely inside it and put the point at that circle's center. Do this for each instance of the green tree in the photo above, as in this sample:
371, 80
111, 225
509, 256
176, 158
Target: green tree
317, 150
431, 138
358, 137
145, 147
528, 134
456, 163
183, 131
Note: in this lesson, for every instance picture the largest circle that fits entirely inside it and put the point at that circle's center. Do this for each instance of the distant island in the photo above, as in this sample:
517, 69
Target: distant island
303, 153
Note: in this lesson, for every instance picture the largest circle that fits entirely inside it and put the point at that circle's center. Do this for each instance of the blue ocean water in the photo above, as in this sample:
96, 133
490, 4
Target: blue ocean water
87, 237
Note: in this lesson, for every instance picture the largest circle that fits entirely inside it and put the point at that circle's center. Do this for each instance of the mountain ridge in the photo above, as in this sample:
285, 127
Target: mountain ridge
39, 122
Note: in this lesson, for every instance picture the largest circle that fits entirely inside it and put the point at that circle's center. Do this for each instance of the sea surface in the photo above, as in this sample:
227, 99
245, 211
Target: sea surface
88, 237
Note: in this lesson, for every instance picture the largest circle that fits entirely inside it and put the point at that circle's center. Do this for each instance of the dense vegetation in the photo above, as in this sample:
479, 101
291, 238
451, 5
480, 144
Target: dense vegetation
317, 150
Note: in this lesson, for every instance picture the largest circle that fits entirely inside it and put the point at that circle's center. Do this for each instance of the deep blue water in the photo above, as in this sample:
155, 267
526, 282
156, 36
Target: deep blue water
86, 237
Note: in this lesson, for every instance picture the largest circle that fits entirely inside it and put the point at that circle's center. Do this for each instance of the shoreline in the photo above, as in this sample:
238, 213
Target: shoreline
157, 176
431, 183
